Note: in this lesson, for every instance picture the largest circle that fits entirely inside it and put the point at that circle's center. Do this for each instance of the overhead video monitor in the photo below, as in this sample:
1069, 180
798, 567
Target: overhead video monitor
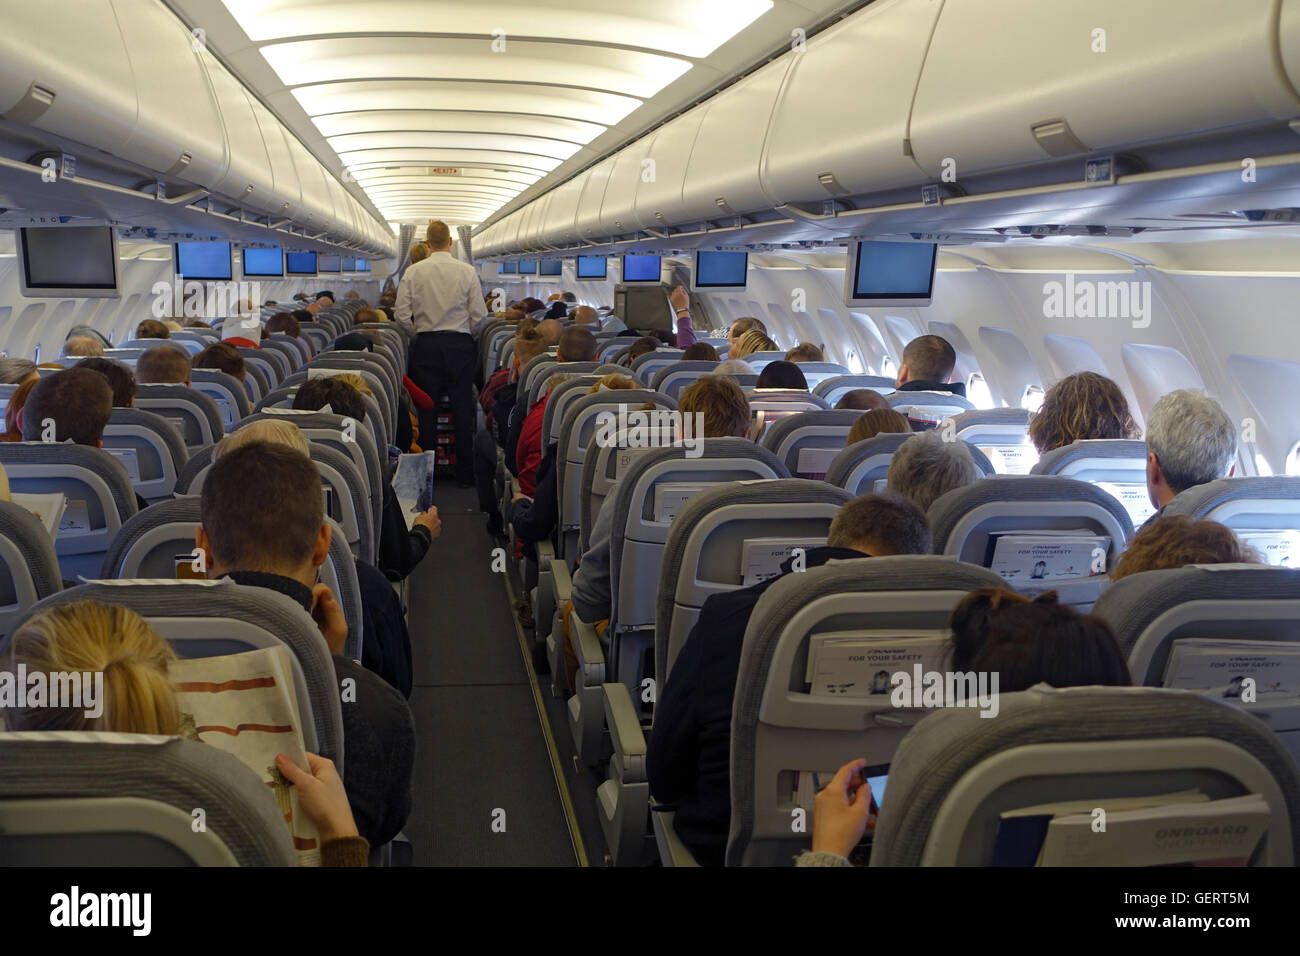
720, 270
300, 263
509, 268
642, 268
263, 262
591, 267
68, 262
550, 267
528, 267
328, 264
889, 273
203, 260
644, 308
363, 265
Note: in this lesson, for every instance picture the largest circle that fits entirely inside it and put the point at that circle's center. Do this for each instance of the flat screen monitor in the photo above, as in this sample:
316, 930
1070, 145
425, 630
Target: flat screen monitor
509, 268
300, 263
890, 273
328, 264
550, 267
203, 260
591, 267
642, 268
263, 262
363, 265
720, 270
68, 262
644, 308
528, 267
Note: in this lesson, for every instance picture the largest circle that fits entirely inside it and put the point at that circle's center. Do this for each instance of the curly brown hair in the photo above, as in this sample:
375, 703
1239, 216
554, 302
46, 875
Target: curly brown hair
1175, 541
1081, 406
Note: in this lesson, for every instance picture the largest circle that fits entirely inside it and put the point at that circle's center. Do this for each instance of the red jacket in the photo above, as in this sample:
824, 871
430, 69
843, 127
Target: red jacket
419, 397
528, 453
488, 397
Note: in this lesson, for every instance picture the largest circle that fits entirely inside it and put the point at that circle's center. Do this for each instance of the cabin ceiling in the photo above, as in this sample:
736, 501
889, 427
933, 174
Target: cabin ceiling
454, 108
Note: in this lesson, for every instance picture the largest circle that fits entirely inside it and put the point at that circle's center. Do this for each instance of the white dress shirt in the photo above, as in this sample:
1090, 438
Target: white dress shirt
441, 294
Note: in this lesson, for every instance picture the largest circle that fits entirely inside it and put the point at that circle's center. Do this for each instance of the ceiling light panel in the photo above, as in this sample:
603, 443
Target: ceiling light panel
528, 145
450, 157
458, 121
692, 28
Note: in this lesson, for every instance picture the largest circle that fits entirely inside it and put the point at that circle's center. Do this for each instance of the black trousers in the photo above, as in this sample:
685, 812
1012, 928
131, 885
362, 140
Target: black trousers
485, 472
443, 362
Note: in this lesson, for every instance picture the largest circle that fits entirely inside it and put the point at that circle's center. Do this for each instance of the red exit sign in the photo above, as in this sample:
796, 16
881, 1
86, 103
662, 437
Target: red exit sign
444, 171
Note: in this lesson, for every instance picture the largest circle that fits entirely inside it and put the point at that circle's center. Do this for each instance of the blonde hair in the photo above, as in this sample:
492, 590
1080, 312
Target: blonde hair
878, 420
1084, 405
419, 252
4, 485
274, 431
88, 637
1175, 541
356, 381
173, 325
751, 342
613, 380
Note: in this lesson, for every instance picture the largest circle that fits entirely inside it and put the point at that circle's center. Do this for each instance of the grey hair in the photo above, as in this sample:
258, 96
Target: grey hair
735, 367
1192, 438
14, 371
926, 466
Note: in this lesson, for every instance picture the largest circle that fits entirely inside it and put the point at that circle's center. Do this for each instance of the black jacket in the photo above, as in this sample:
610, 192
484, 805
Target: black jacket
689, 757
386, 642
502, 413
536, 520
400, 550
518, 412
954, 388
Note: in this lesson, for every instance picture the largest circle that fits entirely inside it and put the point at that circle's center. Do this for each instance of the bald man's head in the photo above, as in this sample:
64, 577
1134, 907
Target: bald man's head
584, 315
550, 330
577, 345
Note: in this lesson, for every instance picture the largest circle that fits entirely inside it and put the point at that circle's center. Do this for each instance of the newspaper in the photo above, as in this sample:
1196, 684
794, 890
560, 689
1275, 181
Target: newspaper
246, 705
48, 508
413, 485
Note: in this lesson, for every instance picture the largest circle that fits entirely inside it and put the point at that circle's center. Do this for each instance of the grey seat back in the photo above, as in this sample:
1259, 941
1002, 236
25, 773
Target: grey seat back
151, 542
955, 774
192, 413
78, 799
351, 495
809, 441
607, 351
1116, 465
149, 447
927, 406
966, 521
300, 346
536, 365
675, 376
227, 391
279, 344
261, 374
837, 386
187, 347
283, 397
338, 362
375, 367
562, 396
317, 334
91, 480
759, 360
214, 618
858, 467
779, 727
29, 568
733, 536
605, 463
541, 376
815, 373
647, 366
1264, 511
1001, 434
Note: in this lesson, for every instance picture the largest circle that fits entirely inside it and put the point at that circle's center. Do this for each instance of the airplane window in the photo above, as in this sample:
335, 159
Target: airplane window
888, 368
1033, 398
853, 363
977, 390
1263, 468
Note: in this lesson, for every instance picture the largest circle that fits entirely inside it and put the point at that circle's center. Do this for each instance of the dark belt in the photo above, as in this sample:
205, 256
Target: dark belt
445, 332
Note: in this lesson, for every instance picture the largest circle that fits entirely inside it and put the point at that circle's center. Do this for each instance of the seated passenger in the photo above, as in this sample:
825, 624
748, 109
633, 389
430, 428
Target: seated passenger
139, 698
1190, 441
1081, 406
303, 315
508, 412
751, 342
163, 365
926, 467
862, 399
400, 550
998, 632
735, 367
642, 346
283, 323
15, 371
119, 376
875, 422
82, 346
805, 352
689, 758
14, 410
551, 330
782, 375
700, 352
223, 357
585, 315
738, 328
278, 541
152, 329
1175, 541
928, 362
576, 345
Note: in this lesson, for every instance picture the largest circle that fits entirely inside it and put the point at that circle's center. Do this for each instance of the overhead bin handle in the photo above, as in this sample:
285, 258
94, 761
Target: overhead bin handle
1056, 138
34, 103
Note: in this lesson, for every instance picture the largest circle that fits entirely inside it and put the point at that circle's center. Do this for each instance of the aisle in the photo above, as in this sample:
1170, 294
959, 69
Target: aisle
480, 748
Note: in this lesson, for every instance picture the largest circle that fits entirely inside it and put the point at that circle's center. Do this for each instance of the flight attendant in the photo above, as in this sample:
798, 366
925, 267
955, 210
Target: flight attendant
442, 299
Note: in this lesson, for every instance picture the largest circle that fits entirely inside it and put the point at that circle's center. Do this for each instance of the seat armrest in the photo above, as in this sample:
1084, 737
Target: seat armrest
562, 581
625, 733
591, 656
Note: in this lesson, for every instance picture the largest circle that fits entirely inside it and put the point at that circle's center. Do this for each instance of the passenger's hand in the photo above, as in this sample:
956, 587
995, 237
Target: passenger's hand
429, 519
679, 299
520, 498
838, 822
327, 614
321, 796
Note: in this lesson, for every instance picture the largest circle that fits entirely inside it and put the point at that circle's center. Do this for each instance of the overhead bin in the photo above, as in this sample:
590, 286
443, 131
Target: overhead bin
723, 176
285, 183
248, 179
618, 208
559, 229
659, 197
1016, 81
587, 222
841, 120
